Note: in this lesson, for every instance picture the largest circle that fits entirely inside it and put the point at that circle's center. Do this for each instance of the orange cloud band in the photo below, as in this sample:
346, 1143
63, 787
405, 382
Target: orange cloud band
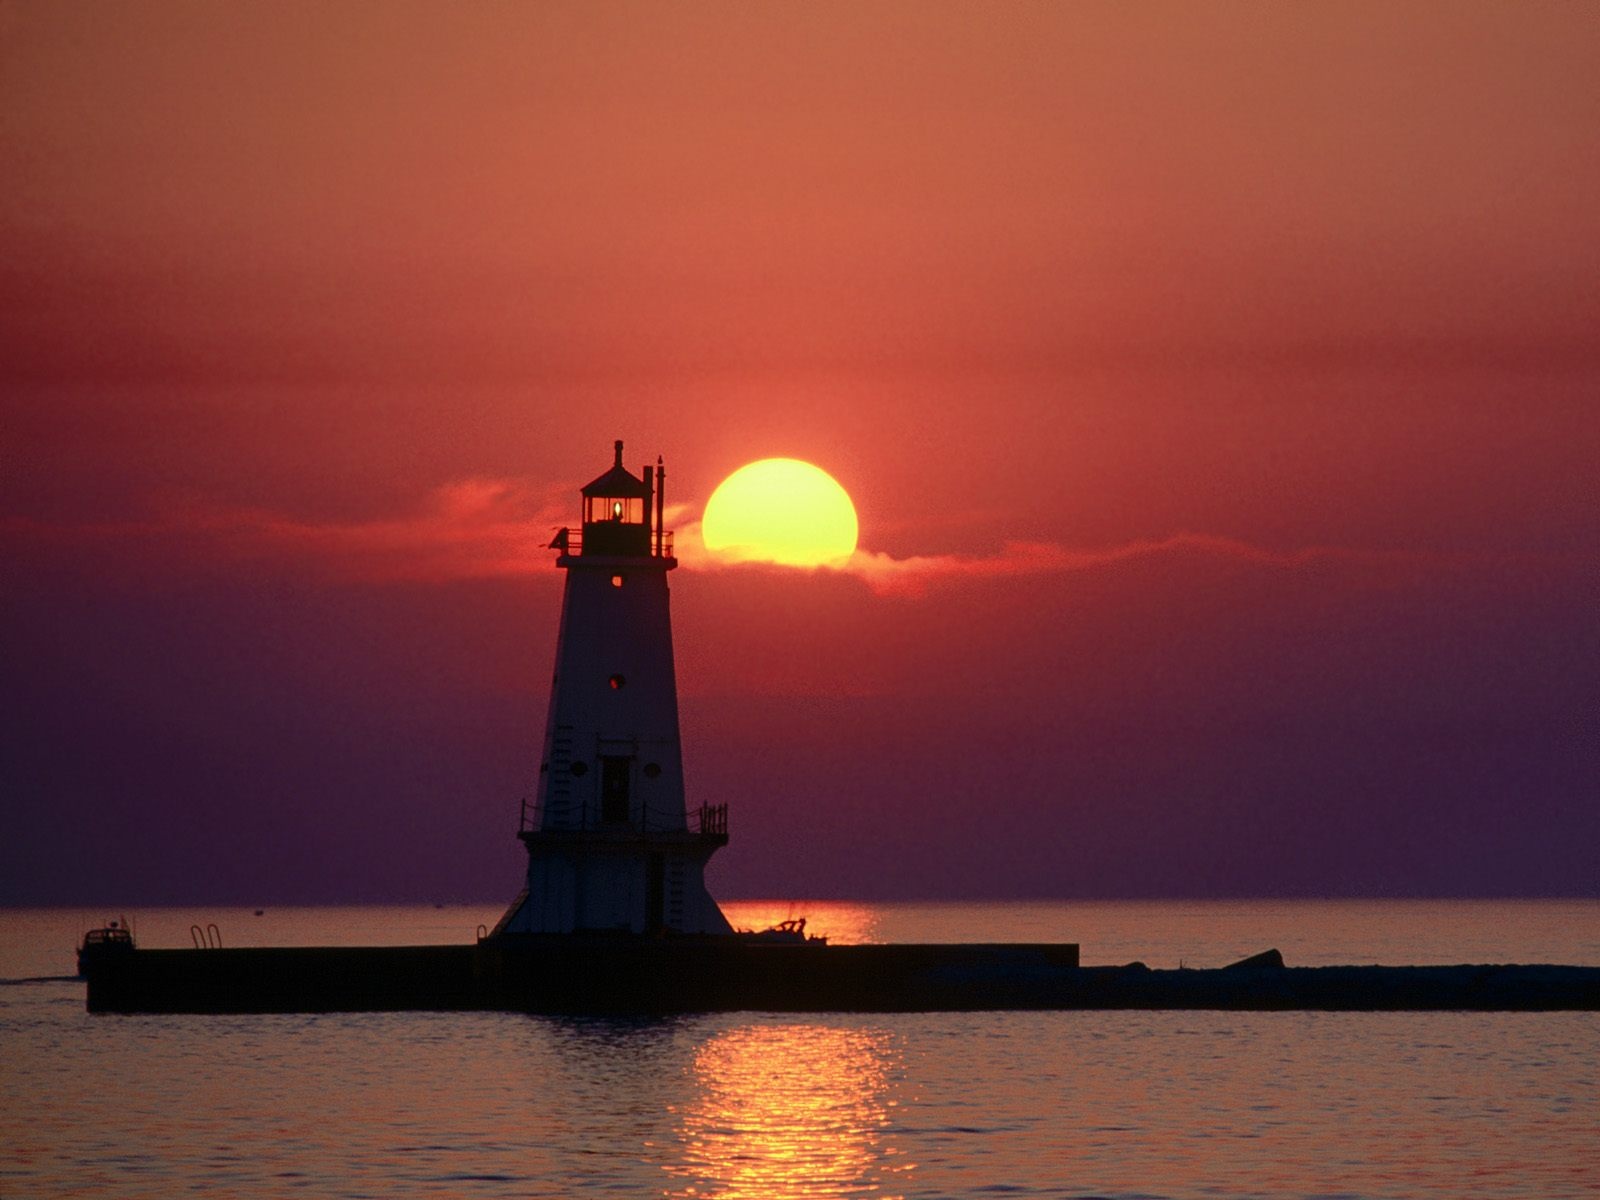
494, 528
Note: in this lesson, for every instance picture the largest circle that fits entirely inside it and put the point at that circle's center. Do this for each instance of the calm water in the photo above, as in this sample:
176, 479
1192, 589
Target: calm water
745, 1105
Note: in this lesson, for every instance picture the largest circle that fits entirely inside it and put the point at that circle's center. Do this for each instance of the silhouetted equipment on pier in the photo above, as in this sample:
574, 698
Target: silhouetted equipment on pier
1267, 958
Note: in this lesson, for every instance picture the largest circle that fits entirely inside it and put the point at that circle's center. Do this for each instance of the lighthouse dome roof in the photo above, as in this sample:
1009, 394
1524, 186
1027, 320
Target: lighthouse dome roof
618, 481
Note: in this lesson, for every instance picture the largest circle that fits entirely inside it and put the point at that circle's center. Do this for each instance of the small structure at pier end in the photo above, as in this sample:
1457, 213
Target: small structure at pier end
612, 846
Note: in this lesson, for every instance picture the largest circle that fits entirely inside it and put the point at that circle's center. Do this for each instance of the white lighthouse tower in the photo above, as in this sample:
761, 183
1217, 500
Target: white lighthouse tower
611, 845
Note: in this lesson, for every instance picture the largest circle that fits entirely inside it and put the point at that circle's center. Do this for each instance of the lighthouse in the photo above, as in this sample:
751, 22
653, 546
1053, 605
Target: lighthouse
612, 845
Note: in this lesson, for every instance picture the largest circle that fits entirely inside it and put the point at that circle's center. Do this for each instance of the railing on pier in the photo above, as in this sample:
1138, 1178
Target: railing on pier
711, 820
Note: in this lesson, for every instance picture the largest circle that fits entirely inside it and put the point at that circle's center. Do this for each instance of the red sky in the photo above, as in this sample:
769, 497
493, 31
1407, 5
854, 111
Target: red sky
1218, 388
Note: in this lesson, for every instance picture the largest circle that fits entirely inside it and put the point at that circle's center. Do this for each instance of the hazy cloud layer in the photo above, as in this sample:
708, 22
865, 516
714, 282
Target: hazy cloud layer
484, 528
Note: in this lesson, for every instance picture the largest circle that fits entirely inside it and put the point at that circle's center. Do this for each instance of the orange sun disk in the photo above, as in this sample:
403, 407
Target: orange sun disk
781, 510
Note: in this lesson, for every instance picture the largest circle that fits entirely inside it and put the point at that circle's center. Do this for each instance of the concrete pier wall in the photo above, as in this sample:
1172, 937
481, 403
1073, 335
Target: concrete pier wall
641, 975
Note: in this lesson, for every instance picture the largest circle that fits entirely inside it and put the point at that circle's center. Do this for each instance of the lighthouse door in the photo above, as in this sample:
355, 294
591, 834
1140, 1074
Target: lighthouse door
614, 772
656, 894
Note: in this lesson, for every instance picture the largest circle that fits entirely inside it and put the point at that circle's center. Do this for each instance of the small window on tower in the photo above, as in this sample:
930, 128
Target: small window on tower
579, 768
652, 770
616, 581
617, 682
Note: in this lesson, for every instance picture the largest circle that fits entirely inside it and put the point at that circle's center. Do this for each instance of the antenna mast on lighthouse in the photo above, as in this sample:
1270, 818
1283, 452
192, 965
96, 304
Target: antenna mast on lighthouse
611, 843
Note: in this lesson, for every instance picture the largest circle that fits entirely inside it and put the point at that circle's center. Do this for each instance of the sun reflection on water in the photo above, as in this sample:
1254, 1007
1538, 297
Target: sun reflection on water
789, 1110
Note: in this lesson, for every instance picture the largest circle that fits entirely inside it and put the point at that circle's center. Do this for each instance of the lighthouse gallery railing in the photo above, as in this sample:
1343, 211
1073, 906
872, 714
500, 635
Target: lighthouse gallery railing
709, 820
570, 541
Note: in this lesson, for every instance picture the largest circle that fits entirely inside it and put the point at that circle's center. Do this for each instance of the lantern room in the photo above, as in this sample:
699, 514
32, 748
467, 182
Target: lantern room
617, 512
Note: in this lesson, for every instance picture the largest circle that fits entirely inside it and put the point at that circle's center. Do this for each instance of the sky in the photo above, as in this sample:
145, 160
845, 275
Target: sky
1217, 386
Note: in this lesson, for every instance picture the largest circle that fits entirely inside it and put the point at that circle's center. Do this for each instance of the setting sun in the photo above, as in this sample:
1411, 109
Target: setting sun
781, 510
